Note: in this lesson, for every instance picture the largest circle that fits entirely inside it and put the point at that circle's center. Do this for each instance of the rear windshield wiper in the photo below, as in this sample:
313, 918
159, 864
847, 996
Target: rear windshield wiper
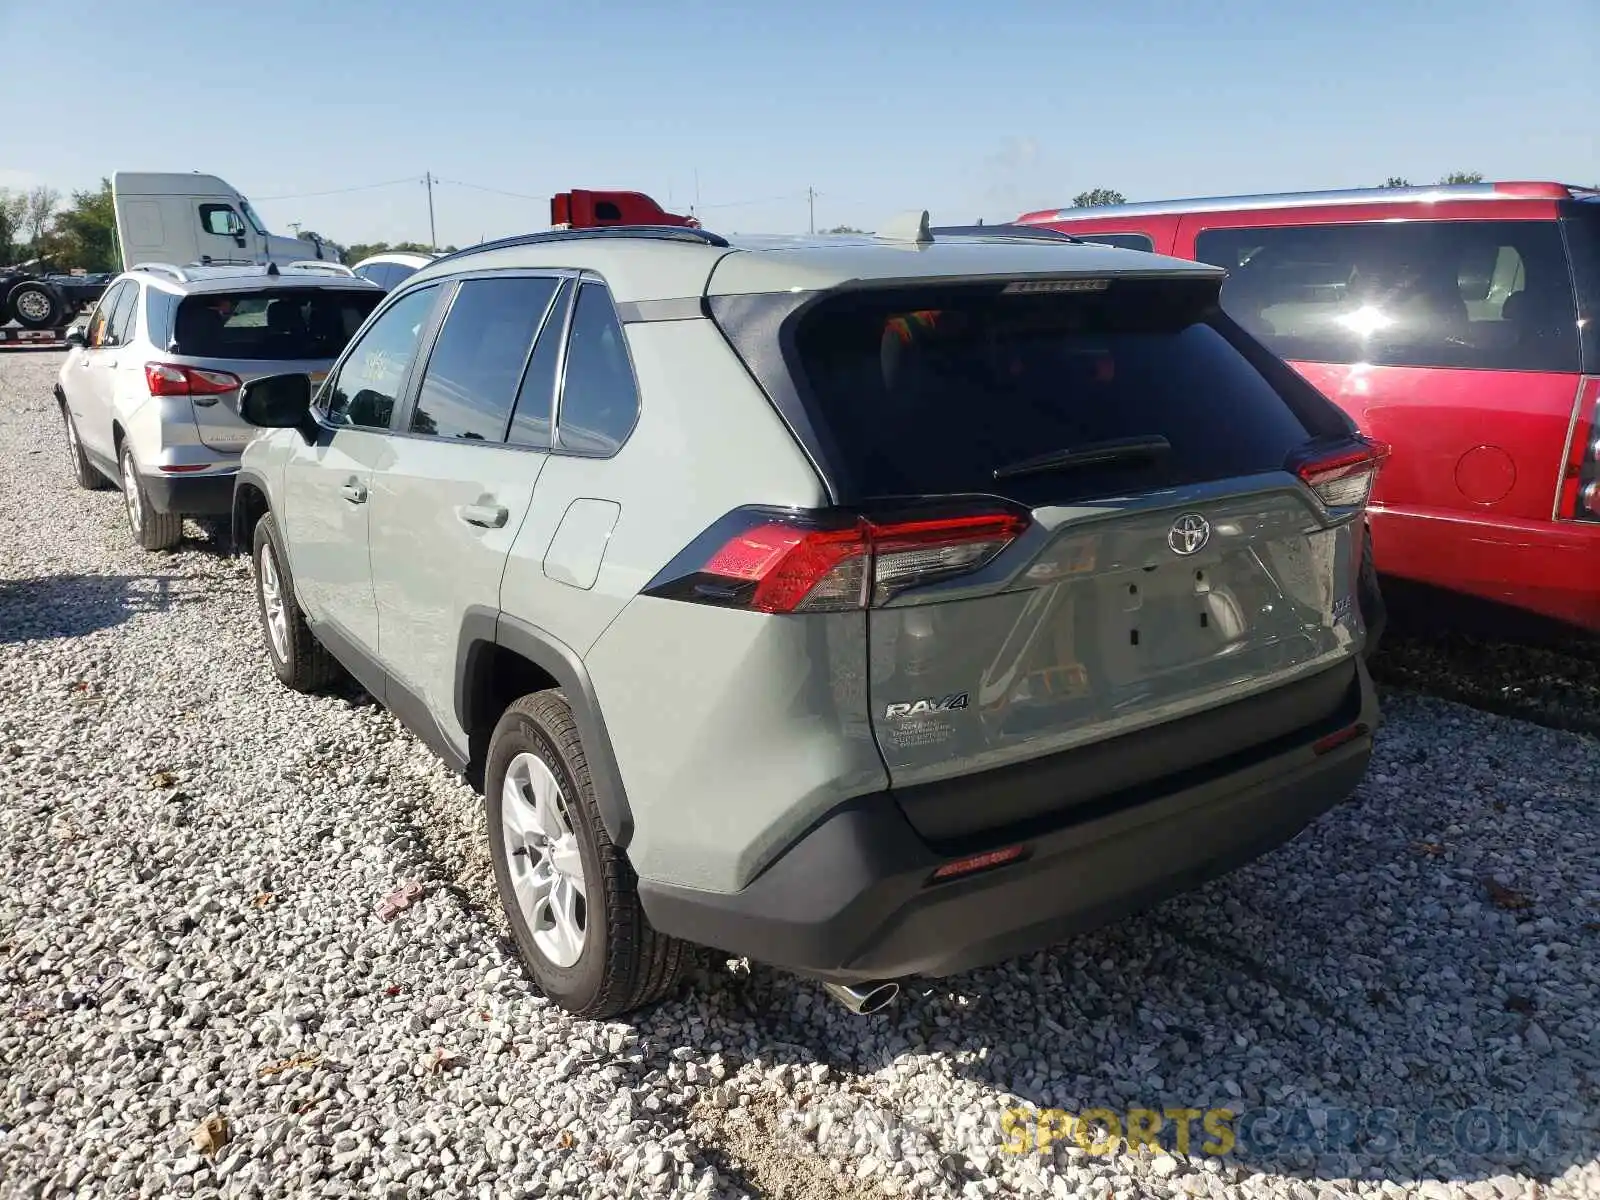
1111, 452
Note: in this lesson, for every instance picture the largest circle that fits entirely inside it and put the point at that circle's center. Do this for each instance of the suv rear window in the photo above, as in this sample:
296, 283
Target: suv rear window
276, 325
1486, 295
925, 393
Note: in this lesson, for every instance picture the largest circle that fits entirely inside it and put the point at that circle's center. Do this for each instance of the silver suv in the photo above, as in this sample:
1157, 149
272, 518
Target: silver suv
149, 389
873, 607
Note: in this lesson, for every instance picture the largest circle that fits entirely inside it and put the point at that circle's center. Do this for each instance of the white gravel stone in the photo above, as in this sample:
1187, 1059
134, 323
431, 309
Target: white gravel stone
191, 856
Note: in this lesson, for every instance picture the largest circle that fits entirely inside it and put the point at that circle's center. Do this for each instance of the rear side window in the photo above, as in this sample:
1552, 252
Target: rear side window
278, 325
220, 219
1486, 295
99, 332
599, 401
473, 372
530, 424
119, 332
930, 394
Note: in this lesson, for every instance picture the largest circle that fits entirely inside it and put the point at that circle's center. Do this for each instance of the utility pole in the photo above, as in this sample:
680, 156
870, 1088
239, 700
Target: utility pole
433, 236
811, 202
295, 225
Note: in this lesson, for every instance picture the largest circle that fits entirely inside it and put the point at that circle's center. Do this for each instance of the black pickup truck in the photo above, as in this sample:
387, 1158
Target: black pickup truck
39, 299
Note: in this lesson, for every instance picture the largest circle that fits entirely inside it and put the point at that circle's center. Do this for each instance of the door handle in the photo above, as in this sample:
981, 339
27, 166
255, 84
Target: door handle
354, 493
489, 516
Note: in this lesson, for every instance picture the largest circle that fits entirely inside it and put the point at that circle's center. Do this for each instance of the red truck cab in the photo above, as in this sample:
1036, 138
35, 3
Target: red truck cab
1456, 323
580, 209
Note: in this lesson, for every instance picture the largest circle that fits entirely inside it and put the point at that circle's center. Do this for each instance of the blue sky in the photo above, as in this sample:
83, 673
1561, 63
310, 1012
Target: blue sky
966, 110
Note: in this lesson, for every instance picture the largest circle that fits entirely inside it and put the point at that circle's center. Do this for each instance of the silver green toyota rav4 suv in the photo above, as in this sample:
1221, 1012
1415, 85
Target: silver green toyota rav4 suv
872, 607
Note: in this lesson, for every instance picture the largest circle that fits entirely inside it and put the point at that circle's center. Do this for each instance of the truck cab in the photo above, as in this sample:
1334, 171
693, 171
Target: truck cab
192, 218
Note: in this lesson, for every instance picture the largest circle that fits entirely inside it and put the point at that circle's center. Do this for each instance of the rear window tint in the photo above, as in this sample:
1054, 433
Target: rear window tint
1485, 295
276, 325
930, 395
1127, 241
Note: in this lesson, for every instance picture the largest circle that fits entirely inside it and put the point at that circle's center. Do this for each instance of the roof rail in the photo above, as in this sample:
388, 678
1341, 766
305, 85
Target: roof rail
177, 273
322, 264
1005, 232
663, 233
1515, 190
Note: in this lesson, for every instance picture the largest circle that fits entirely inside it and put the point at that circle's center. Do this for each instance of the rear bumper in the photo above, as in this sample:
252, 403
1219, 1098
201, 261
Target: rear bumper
852, 899
1547, 568
191, 495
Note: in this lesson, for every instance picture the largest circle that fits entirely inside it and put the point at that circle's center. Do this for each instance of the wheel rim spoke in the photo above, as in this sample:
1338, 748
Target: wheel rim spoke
272, 603
543, 860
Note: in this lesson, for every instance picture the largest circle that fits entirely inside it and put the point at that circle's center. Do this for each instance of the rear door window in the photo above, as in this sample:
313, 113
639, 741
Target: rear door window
930, 394
1486, 295
476, 365
123, 317
530, 425
280, 324
99, 331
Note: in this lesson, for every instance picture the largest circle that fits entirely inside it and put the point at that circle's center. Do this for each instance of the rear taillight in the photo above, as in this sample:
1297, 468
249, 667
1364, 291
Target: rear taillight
169, 379
830, 562
1343, 477
1578, 496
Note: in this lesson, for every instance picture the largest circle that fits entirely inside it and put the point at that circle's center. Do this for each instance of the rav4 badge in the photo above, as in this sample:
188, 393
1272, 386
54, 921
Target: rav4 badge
929, 704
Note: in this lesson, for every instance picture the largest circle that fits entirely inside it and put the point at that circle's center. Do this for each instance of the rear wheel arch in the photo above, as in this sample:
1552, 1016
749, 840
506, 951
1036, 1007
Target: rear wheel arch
501, 658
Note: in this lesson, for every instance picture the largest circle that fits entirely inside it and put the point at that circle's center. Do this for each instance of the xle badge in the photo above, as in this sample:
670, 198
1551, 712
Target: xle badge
917, 708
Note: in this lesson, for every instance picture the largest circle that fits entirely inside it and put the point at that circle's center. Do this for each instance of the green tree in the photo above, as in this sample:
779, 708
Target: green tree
1096, 197
1463, 177
42, 204
84, 234
13, 213
844, 229
1395, 181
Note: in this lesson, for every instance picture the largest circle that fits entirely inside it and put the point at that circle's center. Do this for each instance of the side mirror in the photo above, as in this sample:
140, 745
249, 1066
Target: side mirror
278, 402
76, 335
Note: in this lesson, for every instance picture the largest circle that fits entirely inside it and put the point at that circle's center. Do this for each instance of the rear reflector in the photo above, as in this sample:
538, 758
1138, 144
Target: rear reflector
977, 862
1334, 740
799, 562
186, 467
1344, 477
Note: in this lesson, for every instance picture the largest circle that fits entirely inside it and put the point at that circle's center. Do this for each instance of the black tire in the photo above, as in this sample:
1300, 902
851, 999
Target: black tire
624, 963
83, 472
37, 305
303, 663
1374, 609
152, 530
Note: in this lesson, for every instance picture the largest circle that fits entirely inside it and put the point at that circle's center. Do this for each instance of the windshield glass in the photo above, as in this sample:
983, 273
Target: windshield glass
250, 215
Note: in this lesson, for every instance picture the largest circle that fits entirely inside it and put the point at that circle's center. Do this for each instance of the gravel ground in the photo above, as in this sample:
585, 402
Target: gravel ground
1402, 1001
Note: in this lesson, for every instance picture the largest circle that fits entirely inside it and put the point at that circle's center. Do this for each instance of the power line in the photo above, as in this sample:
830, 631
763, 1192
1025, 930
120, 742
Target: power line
478, 187
361, 187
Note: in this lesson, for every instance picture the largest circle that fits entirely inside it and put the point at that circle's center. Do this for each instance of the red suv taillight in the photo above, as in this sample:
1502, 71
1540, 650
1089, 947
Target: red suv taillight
1578, 498
1342, 477
827, 562
169, 379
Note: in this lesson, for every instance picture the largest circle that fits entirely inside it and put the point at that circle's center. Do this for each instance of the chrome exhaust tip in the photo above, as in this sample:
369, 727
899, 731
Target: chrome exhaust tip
864, 999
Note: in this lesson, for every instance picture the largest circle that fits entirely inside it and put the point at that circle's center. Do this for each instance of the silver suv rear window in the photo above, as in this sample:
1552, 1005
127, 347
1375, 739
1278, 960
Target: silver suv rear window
278, 325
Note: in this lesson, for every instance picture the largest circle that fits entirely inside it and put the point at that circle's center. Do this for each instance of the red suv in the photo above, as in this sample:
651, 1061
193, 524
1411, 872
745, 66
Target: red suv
1456, 323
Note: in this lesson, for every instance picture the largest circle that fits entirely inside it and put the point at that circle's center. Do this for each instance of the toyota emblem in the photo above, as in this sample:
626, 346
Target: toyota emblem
1189, 534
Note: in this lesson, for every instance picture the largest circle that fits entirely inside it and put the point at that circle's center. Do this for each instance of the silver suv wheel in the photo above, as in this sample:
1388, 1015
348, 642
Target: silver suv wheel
546, 866
272, 602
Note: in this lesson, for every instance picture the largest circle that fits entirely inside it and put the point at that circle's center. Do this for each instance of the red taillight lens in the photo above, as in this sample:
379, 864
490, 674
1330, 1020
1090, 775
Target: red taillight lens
1344, 478
169, 379
800, 563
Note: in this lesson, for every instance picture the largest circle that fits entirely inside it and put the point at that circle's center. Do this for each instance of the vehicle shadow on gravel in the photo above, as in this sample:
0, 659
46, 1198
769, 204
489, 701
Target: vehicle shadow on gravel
67, 606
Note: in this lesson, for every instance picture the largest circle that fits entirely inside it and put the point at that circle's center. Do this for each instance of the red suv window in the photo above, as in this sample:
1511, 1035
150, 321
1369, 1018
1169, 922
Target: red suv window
1488, 295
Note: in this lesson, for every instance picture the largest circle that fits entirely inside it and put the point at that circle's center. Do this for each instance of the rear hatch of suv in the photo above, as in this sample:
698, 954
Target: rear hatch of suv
218, 340
1102, 538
